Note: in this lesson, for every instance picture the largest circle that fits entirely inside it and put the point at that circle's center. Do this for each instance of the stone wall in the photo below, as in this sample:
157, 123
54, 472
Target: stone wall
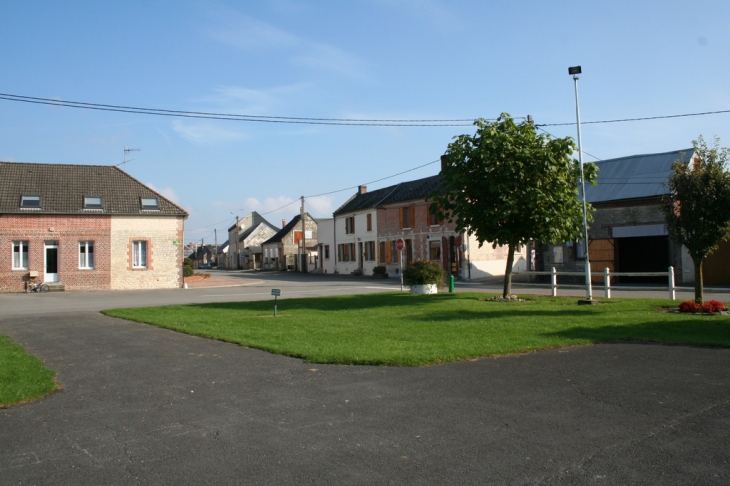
164, 256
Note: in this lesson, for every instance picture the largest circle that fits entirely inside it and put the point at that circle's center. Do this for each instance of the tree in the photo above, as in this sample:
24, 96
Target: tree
697, 207
508, 185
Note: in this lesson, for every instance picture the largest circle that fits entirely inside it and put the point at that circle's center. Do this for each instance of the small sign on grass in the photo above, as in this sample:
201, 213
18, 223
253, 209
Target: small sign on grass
276, 293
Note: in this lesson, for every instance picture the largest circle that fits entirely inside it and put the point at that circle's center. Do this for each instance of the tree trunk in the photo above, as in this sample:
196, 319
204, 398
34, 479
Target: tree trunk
699, 290
508, 272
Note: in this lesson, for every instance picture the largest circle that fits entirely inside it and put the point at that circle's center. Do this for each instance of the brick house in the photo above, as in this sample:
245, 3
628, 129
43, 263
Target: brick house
280, 252
629, 231
401, 211
86, 227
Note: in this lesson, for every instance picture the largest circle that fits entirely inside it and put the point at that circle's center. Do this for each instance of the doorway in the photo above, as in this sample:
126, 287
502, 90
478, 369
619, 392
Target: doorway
51, 261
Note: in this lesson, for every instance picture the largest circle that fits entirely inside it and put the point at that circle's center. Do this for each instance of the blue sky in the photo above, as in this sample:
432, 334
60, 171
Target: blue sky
363, 59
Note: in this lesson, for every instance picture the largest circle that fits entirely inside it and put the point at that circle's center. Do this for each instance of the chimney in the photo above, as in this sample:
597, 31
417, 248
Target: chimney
444, 162
283, 223
362, 189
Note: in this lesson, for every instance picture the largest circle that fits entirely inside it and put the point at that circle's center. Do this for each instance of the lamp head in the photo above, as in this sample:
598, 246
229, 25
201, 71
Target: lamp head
574, 70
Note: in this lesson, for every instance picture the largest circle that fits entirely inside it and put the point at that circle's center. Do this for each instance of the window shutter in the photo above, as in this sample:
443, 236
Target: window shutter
370, 222
401, 213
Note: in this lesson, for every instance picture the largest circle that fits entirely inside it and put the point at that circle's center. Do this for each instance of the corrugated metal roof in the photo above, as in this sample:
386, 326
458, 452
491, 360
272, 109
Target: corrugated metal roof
634, 177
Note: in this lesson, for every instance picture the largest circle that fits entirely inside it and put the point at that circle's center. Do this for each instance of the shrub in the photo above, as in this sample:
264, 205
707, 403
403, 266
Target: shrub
188, 271
423, 272
712, 306
689, 306
379, 270
187, 262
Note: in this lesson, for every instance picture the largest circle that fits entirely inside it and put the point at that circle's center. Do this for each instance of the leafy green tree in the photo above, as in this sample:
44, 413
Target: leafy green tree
508, 184
697, 207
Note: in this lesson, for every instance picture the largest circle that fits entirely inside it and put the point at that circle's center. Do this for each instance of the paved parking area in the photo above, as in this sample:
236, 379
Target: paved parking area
142, 405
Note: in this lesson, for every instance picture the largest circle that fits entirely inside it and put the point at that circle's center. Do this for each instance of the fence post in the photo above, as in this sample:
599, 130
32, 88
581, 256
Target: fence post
554, 282
607, 282
672, 294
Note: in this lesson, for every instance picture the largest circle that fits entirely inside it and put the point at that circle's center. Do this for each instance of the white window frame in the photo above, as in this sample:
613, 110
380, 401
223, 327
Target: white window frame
86, 263
139, 254
20, 258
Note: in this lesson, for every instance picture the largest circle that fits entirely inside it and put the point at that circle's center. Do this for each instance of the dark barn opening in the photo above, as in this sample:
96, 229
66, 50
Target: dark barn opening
642, 254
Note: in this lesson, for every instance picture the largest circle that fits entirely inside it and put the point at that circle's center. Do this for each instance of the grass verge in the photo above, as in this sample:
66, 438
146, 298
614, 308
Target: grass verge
23, 378
411, 330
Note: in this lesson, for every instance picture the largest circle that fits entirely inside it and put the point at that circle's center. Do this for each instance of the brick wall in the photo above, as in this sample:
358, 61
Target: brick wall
164, 257
67, 231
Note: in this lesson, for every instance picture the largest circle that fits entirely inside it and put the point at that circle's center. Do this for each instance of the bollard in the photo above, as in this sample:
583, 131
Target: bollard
451, 283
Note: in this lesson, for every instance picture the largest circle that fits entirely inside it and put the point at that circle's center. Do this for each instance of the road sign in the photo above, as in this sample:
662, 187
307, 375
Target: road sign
276, 292
400, 244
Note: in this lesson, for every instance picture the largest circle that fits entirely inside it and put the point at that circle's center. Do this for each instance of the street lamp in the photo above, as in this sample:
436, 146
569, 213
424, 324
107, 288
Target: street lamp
575, 71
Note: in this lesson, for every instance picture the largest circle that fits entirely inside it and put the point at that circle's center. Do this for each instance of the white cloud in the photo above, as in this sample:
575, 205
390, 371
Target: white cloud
243, 32
206, 132
166, 192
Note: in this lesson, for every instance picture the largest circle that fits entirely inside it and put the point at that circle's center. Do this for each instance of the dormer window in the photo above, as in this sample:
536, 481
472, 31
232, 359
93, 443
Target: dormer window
92, 202
150, 203
30, 201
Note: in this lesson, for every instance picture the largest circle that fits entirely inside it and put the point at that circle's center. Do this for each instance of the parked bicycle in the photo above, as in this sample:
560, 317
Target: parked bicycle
36, 287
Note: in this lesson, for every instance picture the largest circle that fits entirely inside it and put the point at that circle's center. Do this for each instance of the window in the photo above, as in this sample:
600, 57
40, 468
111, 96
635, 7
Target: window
369, 251
435, 215
86, 254
339, 253
346, 255
327, 252
20, 255
434, 250
92, 202
30, 201
150, 203
139, 254
370, 222
381, 256
350, 225
407, 217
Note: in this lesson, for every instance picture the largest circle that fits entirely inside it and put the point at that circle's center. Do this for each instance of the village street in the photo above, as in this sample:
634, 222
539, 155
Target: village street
146, 405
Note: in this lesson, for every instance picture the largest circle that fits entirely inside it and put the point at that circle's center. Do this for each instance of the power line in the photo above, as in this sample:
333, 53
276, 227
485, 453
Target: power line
540, 128
635, 119
237, 117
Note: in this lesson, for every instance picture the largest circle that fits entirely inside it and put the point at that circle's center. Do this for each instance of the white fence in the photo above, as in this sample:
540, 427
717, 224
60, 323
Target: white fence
607, 275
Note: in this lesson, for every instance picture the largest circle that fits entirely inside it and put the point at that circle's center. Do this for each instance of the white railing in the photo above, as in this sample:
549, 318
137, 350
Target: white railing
607, 275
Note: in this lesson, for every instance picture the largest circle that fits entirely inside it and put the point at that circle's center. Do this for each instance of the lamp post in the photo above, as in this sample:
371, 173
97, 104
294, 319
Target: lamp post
575, 71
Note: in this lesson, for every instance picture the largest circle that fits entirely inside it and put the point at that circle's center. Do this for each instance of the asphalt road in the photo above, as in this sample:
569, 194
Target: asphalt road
142, 405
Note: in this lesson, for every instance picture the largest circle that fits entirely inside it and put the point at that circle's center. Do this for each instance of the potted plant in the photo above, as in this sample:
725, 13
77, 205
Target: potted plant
424, 277
380, 272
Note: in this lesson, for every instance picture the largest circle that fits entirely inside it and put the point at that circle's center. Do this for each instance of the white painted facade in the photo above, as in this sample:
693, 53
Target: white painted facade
326, 251
364, 259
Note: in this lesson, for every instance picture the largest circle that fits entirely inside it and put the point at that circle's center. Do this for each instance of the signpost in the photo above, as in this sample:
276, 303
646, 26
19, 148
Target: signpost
399, 245
276, 293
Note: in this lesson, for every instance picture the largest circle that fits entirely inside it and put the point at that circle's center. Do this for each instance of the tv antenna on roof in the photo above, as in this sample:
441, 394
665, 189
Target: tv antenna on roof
126, 152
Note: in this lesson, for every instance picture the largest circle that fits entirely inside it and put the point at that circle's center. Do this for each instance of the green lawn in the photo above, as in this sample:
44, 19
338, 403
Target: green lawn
23, 377
411, 330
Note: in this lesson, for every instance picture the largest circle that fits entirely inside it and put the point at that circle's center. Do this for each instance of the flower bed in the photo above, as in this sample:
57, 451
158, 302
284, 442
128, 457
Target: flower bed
709, 307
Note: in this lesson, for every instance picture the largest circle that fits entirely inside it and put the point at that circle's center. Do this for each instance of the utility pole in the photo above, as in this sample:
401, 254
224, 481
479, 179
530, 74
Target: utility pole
304, 240
216, 247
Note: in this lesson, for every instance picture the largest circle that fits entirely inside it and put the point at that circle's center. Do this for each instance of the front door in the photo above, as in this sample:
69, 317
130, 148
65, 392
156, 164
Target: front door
51, 261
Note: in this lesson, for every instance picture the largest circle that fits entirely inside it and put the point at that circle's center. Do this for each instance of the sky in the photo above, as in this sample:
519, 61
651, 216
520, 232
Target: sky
359, 59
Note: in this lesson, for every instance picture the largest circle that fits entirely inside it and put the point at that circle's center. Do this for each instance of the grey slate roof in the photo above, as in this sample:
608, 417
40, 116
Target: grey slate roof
403, 192
251, 229
62, 188
286, 229
634, 177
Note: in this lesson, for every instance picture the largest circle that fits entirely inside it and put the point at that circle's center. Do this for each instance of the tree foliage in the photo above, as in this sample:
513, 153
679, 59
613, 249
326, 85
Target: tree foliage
697, 207
508, 184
